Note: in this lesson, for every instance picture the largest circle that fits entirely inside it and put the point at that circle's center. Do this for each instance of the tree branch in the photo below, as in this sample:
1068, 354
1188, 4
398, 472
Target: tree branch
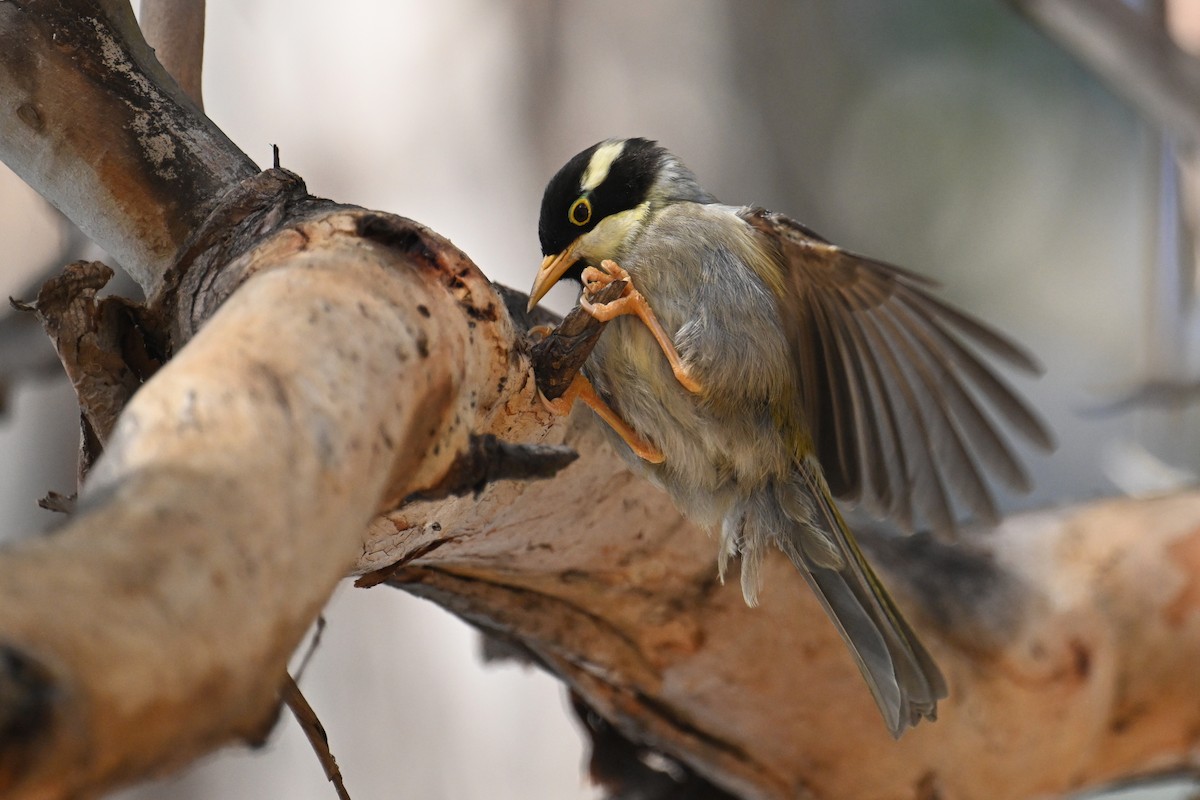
1069, 638
103, 132
175, 29
1132, 52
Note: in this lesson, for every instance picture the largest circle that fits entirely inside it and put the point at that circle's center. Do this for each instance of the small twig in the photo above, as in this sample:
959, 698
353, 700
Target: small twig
1151, 394
488, 459
558, 357
315, 731
312, 648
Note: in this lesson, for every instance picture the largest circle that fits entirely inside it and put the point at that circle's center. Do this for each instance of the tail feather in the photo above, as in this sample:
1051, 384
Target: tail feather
803, 520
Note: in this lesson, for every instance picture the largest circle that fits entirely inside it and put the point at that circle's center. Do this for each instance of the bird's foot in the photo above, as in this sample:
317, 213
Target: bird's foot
582, 389
632, 302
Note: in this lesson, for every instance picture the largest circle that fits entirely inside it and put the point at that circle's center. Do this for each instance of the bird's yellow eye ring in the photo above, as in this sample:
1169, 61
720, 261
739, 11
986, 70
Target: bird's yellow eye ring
581, 212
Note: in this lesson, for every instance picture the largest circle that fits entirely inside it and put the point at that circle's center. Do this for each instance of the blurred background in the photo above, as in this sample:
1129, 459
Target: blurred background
943, 135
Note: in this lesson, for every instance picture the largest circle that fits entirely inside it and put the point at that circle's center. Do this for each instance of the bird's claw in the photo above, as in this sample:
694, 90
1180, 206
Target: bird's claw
596, 278
632, 302
539, 332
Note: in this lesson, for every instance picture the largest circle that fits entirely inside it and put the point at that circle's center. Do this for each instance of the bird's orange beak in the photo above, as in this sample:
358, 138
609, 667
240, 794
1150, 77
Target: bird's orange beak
553, 268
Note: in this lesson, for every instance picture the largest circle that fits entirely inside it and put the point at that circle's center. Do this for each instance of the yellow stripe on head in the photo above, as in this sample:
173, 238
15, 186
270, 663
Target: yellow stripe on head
601, 163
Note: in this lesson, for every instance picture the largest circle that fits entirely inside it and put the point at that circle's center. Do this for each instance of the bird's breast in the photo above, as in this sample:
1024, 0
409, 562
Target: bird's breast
726, 440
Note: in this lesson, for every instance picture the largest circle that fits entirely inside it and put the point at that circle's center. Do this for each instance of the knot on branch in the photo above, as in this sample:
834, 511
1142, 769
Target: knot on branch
207, 270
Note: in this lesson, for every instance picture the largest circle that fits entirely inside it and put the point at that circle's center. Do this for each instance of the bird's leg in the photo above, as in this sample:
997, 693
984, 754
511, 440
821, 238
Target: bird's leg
633, 302
581, 389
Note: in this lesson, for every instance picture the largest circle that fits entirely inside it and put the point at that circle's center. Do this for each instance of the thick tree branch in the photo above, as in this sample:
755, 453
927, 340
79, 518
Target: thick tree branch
343, 361
1069, 639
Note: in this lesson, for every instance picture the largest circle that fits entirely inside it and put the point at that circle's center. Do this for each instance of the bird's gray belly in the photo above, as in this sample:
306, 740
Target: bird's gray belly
723, 444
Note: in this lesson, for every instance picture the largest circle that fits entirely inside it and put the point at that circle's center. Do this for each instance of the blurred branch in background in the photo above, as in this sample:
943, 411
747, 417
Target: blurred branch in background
1144, 52
1132, 52
175, 29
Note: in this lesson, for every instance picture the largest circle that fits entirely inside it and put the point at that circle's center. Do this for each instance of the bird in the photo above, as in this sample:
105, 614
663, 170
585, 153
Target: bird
759, 373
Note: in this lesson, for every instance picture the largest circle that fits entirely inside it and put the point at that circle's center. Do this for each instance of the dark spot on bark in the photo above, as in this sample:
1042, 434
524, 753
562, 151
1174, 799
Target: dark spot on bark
485, 314
1081, 659
28, 113
1125, 716
422, 345
423, 311
397, 234
435, 526
27, 694
928, 787
277, 387
958, 586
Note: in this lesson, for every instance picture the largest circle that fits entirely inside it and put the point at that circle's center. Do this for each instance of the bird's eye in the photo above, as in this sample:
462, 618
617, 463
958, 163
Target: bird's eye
581, 211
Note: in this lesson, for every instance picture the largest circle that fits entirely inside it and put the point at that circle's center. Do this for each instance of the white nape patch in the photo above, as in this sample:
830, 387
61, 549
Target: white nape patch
601, 163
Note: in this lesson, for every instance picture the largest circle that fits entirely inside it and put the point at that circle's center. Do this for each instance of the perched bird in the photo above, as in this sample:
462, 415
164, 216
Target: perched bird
768, 372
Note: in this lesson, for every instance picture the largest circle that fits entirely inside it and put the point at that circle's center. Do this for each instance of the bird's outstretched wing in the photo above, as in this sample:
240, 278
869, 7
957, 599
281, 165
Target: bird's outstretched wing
892, 396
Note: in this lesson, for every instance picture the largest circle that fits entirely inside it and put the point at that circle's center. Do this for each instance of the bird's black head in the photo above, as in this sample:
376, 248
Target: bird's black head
609, 177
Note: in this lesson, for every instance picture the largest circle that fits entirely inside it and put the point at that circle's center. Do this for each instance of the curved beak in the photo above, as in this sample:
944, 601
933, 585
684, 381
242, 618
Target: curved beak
553, 268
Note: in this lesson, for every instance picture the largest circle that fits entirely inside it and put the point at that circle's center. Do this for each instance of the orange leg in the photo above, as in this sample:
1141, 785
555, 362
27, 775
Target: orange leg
581, 389
632, 302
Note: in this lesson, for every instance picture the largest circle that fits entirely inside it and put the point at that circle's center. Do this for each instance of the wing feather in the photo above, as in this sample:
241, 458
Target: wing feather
891, 394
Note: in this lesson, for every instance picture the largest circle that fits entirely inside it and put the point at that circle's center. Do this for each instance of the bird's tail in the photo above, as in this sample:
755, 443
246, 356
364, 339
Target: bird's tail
806, 525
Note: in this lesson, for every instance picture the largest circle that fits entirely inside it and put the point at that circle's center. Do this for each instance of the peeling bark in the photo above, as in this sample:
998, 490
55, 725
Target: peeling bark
100, 343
